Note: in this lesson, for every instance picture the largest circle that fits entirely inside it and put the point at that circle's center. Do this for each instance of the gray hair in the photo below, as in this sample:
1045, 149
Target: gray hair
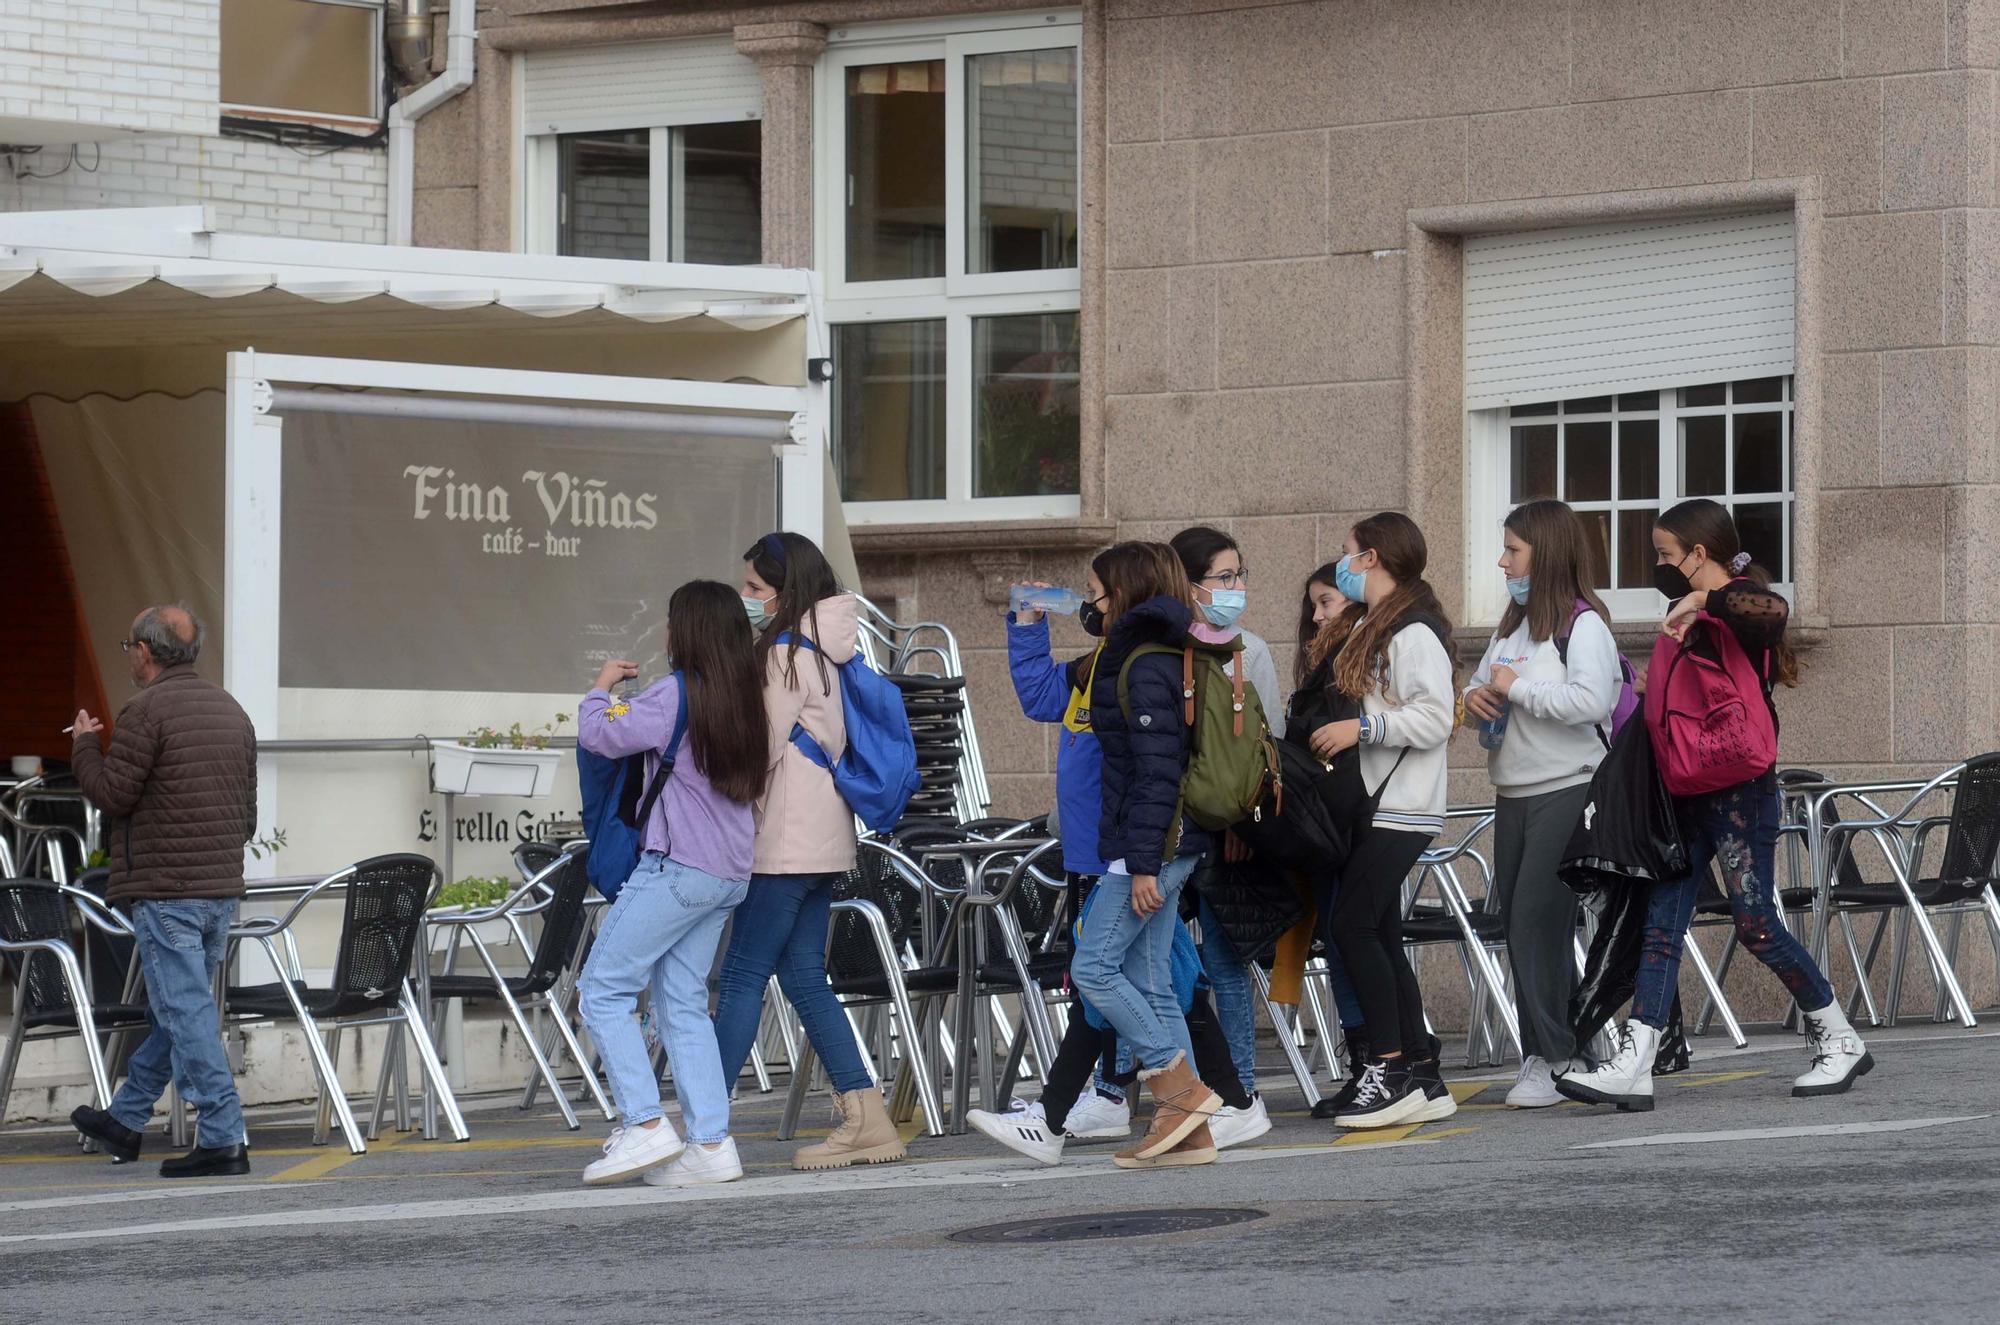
156, 630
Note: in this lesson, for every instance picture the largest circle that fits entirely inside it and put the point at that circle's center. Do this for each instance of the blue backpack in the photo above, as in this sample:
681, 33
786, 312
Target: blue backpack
877, 774
615, 808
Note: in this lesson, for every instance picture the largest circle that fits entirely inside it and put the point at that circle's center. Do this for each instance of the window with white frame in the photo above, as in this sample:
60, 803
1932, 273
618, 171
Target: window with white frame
303, 61
1619, 460
947, 228
682, 193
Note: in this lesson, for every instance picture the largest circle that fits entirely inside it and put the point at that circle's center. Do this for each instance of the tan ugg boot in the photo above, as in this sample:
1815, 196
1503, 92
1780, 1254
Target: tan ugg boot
865, 1135
1197, 1147
1181, 1103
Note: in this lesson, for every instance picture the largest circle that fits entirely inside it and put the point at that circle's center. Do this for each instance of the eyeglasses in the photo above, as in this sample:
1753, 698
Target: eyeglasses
1229, 579
127, 645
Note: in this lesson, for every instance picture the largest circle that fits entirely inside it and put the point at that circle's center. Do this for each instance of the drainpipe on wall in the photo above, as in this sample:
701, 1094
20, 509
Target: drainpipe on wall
460, 43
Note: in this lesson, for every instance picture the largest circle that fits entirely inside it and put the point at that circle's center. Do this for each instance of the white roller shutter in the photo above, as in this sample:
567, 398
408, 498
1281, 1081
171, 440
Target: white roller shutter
700, 80
1630, 306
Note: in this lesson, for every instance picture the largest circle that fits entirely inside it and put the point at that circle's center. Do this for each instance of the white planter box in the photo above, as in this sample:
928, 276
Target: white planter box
466, 771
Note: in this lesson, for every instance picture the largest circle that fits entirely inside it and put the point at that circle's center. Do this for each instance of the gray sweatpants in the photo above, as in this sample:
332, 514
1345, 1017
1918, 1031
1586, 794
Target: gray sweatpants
1529, 834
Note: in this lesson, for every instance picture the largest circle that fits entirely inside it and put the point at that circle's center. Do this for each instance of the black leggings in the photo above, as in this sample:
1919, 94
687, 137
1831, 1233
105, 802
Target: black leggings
1366, 925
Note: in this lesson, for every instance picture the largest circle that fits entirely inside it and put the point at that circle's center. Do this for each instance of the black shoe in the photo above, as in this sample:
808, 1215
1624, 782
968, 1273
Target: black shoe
119, 1141
1358, 1050
1389, 1094
1428, 1073
209, 1162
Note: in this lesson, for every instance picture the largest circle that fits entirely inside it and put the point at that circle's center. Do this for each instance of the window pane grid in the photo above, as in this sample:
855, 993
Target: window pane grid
1617, 467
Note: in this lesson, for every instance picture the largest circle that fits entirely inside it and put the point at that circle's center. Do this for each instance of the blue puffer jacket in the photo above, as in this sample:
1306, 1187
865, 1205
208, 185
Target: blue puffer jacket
1044, 687
1143, 764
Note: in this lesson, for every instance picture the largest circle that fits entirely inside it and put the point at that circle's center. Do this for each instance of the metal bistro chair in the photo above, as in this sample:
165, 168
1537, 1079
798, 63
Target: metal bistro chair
51, 997
1479, 932
567, 884
1964, 882
380, 933
530, 859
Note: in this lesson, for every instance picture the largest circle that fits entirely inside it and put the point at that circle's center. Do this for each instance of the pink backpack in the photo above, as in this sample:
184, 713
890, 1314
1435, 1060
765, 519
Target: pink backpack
1710, 723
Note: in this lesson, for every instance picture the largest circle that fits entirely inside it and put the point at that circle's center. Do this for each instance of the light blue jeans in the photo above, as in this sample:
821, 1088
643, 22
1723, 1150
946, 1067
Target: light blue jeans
180, 945
663, 930
1123, 965
1230, 980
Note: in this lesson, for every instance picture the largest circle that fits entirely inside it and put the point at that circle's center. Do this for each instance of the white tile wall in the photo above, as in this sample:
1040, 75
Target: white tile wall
147, 65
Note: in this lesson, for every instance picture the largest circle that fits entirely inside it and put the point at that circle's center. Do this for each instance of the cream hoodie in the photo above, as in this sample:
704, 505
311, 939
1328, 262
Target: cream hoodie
803, 825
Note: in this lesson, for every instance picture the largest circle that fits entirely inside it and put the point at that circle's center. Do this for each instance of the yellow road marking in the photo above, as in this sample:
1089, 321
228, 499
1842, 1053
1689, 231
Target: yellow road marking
336, 1156
1717, 1079
1374, 1136
1449, 1131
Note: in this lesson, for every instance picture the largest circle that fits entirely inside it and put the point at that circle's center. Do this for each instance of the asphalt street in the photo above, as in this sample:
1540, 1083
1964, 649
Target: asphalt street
1730, 1201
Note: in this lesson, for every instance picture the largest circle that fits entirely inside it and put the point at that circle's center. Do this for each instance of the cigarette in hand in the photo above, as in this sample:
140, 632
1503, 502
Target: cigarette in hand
69, 729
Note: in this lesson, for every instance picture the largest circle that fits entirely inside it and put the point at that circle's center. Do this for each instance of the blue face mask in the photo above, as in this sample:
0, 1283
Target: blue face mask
1517, 588
1353, 584
1224, 606
759, 612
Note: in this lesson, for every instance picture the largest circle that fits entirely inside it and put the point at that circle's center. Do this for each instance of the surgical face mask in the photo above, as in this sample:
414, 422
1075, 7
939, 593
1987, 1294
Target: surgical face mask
1224, 606
1672, 580
1517, 588
759, 612
1353, 584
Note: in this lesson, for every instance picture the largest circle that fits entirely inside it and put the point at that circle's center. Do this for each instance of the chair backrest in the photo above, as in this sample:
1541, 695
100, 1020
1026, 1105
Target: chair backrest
562, 921
531, 858
378, 934
851, 953
1847, 871
32, 910
1974, 835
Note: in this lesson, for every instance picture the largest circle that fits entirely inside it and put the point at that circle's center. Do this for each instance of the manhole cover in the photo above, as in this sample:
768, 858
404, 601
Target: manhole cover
1111, 1224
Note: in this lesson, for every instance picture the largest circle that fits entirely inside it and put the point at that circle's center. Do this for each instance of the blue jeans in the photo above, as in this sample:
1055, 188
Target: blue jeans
1123, 965
1739, 827
663, 930
180, 945
1230, 980
781, 928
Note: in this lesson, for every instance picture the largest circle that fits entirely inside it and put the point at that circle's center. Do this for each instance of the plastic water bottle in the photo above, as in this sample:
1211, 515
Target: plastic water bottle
1492, 731
1058, 602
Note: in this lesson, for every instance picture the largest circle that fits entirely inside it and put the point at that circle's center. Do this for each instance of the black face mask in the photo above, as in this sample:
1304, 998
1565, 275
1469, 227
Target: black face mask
1672, 581
1091, 617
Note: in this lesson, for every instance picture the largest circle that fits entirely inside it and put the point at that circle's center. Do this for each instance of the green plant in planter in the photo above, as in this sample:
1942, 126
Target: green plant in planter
514, 738
471, 894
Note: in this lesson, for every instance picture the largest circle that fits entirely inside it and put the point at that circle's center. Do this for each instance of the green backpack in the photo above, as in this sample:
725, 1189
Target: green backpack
1233, 761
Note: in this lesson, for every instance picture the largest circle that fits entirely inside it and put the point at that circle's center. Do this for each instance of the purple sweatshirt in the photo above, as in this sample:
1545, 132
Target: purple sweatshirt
714, 834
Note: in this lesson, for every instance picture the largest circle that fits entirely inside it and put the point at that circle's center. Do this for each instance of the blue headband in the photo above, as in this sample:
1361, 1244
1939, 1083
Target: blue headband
775, 546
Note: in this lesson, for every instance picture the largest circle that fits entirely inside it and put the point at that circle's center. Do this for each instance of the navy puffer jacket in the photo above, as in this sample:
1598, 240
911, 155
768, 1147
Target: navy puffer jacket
1143, 761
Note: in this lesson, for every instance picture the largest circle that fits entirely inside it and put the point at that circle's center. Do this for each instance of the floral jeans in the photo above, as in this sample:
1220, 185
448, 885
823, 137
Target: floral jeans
1737, 827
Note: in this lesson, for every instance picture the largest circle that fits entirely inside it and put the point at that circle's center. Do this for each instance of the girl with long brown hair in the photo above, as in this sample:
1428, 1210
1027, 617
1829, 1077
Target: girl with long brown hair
701, 729
807, 627
1552, 673
1712, 585
1390, 652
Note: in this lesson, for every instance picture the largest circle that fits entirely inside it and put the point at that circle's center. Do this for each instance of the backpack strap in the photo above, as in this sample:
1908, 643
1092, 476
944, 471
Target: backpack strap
1125, 679
1562, 640
667, 756
1235, 686
808, 744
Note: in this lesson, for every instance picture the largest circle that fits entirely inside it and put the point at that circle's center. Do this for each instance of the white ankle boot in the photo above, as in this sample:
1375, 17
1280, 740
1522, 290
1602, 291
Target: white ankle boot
1625, 1079
1838, 1054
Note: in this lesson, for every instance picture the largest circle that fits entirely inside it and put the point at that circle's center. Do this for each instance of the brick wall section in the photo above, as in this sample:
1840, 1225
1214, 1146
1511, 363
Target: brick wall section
254, 186
45, 673
140, 65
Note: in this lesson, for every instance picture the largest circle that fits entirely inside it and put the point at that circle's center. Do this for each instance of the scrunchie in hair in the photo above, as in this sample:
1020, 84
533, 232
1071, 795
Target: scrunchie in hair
1739, 563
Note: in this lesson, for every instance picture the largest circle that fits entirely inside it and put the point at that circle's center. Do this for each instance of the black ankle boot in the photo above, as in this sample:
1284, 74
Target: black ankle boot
1357, 1054
209, 1162
119, 1141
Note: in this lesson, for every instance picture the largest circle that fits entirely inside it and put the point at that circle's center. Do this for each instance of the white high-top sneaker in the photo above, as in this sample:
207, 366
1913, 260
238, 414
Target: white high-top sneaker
1536, 1086
1625, 1079
1838, 1054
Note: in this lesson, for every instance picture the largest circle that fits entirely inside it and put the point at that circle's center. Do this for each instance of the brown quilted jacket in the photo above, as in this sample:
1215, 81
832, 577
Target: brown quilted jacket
179, 785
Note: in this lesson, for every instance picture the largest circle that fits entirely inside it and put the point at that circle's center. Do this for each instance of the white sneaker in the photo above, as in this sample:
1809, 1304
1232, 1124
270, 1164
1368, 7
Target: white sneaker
630, 1151
1232, 1127
1095, 1118
1024, 1131
697, 1166
1838, 1055
1536, 1086
1625, 1079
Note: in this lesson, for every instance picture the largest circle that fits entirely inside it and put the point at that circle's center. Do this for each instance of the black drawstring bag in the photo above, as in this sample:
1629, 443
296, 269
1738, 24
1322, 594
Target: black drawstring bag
1627, 840
1628, 832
